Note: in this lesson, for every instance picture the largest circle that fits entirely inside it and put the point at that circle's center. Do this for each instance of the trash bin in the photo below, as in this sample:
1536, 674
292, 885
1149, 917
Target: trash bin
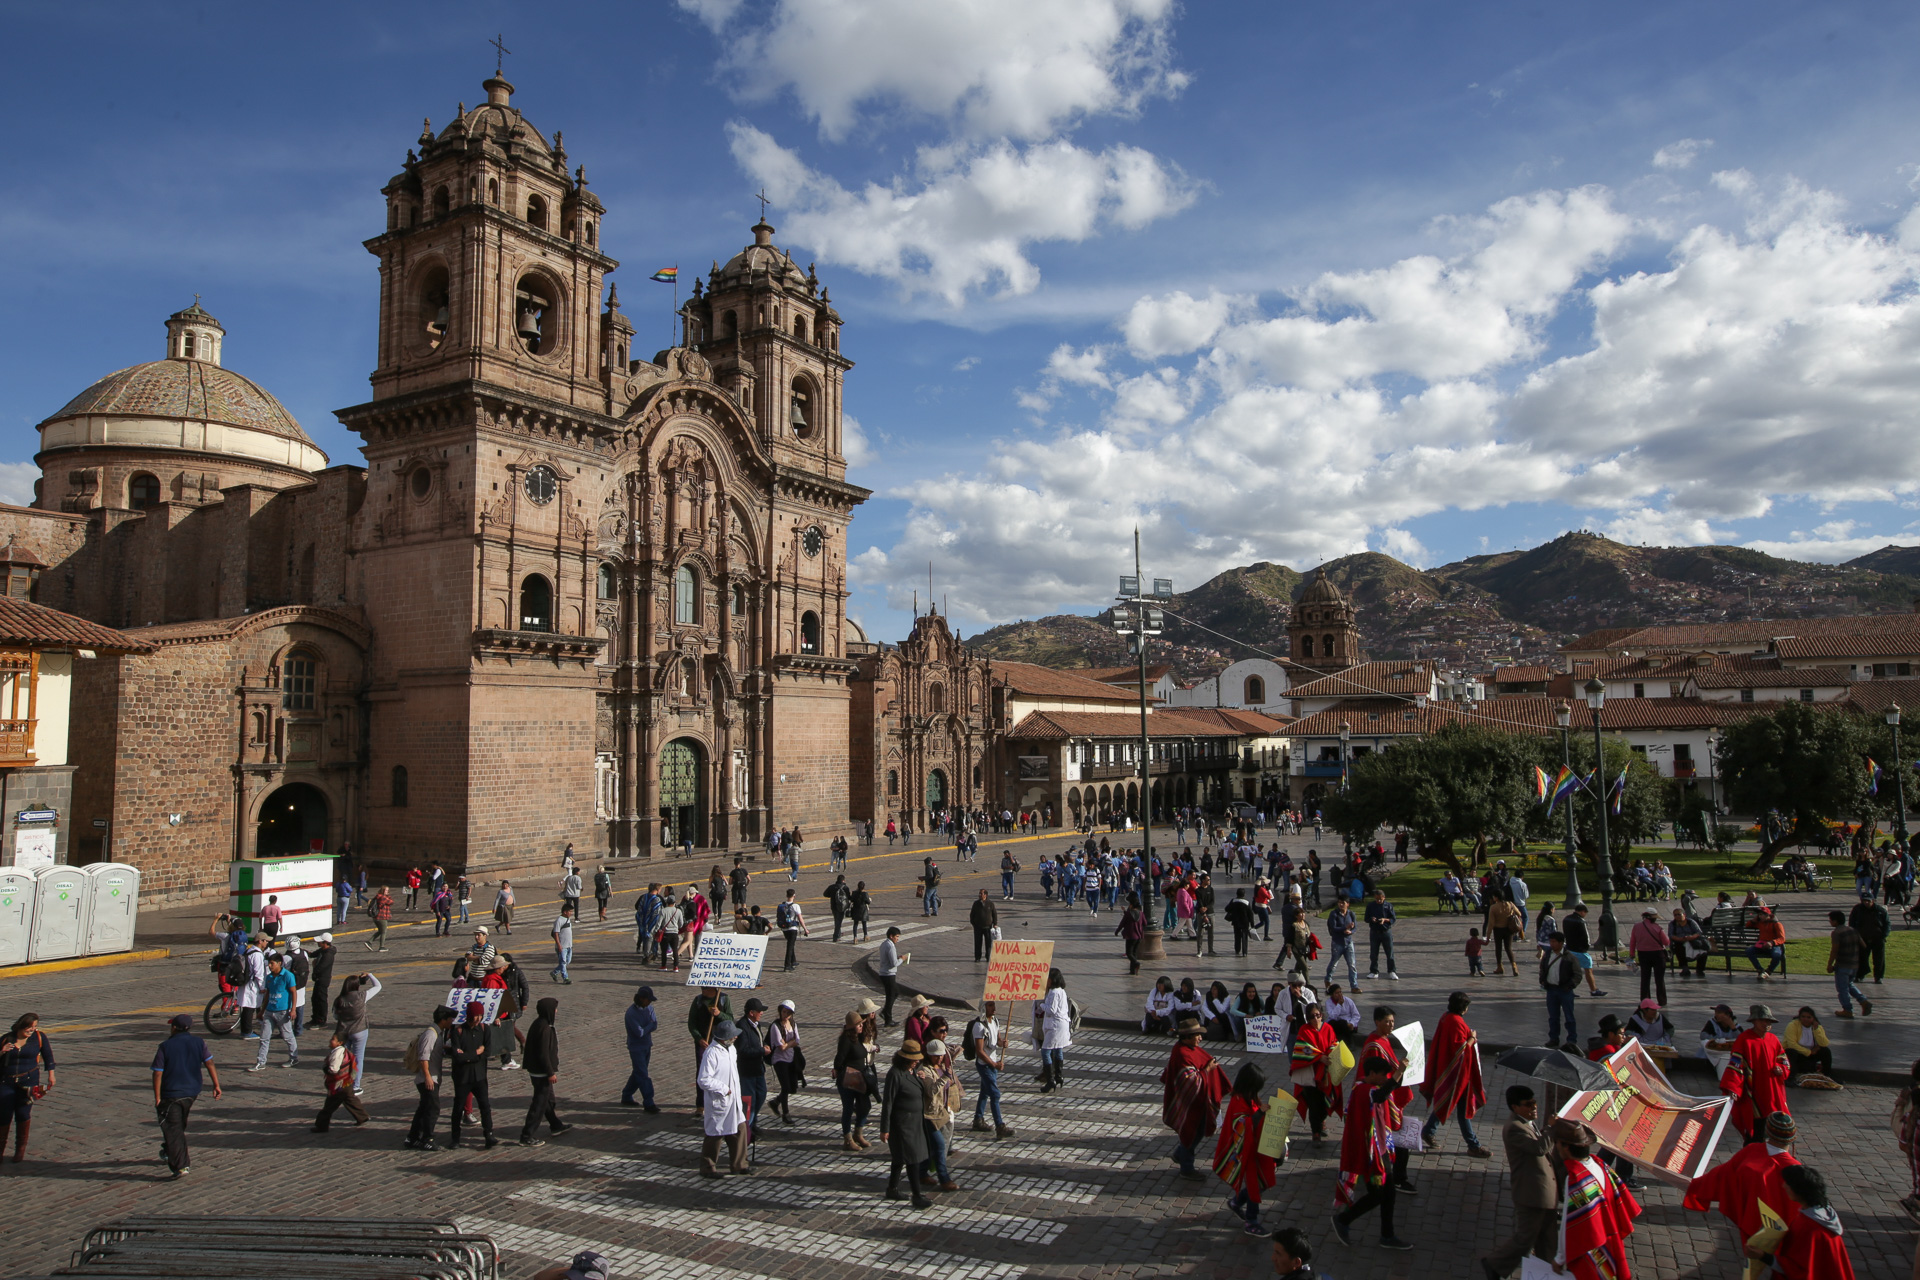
59, 914
115, 901
17, 890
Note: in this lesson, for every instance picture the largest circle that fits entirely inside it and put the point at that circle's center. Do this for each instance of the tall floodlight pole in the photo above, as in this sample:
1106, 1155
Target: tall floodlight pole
1609, 927
1138, 616
1563, 716
1899, 782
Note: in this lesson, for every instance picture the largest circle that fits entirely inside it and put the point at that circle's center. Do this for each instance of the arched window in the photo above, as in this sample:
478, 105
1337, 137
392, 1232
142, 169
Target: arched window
1326, 647
802, 412
298, 675
936, 698
493, 191
800, 328
1256, 691
893, 782
399, 786
604, 582
739, 602
537, 211
589, 235
536, 603
187, 347
685, 598
810, 632
143, 491
1306, 646
729, 324
976, 782
442, 202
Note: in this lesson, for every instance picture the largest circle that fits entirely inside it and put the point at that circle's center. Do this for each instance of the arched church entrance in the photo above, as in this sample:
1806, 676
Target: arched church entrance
936, 792
293, 820
682, 793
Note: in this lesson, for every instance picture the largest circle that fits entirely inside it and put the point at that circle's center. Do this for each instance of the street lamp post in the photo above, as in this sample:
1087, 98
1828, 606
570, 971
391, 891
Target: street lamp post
1899, 782
1138, 616
1609, 927
1346, 738
1563, 716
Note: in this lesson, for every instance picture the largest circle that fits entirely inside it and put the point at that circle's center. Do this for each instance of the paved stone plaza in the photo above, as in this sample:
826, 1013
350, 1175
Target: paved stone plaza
1084, 1188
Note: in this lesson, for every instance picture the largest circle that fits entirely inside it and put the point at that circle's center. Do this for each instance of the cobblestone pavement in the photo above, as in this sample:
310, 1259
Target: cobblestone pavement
1084, 1188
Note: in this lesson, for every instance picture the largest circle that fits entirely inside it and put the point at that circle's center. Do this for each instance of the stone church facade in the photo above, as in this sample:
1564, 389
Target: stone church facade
573, 595
922, 728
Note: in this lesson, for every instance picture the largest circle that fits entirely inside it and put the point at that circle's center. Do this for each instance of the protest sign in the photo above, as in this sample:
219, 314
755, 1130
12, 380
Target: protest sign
1018, 970
460, 997
1340, 1065
730, 960
1281, 1110
1413, 1042
1267, 1034
1670, 1134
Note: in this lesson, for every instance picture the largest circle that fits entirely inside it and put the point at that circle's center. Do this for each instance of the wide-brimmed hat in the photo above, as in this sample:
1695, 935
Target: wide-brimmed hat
1761, 1013
1189, 1026
921, 1002
725, 1030
866, 1008
910, 1049
1571, 1132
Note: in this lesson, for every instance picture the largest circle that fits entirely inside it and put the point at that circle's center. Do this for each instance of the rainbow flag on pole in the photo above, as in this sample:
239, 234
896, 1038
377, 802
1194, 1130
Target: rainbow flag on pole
1563, 784
1619, 792
1540, 784
666, 275
1873, 777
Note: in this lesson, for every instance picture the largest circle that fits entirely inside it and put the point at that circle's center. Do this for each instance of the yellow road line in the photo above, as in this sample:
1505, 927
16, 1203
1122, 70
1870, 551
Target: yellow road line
82, 962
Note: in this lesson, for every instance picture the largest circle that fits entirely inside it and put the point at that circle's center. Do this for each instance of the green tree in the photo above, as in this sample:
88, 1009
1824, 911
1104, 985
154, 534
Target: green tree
1804, 761
1646, 803
1460, 784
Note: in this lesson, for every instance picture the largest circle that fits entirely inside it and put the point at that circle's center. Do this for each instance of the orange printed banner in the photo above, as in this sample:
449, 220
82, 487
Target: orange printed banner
1018, 970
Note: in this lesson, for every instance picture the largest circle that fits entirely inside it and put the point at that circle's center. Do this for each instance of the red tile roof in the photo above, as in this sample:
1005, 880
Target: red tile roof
1708, 635
1126, 675
1058, 726
1025, 677
1880, 644
1743, 676
1523, 714
25, 625
1412, 676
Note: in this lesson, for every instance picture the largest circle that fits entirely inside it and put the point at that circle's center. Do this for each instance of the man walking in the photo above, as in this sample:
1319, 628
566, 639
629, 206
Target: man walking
839, 901
983, 916
342, 901
1579, 945
1008, 865
642, 1022
277, 1005
469, 1053
737, 880
722, 1114
1192, 1085
1844, 953
1536, 1195
750, 1054
563, 943
1871, 922
989, 1057
570, 891
1340, 927
887, 965
1559, 975
253, 989
1381, 918
1203, 915
339, 1067
541, 1058
792, 924
929, 888
1239, 913
710, 1009
177, 1064
602, 890
425, 1053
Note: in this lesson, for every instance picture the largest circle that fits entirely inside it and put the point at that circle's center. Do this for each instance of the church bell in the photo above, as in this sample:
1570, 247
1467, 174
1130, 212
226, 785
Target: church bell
797, 419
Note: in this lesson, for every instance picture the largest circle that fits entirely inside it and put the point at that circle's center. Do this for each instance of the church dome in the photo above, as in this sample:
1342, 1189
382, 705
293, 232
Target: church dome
186, 401
760, 263
1321, 591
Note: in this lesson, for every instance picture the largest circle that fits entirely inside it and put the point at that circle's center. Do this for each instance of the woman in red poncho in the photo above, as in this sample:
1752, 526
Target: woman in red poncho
1454, 1086
1814, 1248
1314, 1050
1194, 1085
1597, 1213
1236, 1156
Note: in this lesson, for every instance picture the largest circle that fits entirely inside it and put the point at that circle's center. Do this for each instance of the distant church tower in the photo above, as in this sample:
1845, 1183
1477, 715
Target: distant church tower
1322, 628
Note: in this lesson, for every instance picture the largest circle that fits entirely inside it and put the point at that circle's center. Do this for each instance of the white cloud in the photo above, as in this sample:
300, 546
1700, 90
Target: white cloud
16, 482
1829, 549
1777, 359
1007, 68
1675, 155
1403, 546
965, 363
855, 447
965, 222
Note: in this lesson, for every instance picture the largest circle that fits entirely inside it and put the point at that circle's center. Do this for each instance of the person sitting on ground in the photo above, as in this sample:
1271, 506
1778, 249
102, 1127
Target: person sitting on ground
1216, 1010
1649, 1025
1808, 1052
1160, 1013
1247, 1004
1342, 1013
1186, 1000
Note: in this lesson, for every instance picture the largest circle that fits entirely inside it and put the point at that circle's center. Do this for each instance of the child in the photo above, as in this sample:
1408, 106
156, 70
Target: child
1236, 1156
1474, 944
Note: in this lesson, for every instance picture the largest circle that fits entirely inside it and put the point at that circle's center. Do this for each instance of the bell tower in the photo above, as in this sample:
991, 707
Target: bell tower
490, 266
1322, 629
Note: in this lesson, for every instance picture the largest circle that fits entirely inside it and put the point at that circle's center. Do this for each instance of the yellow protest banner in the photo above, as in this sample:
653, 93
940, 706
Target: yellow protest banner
1018, 970
1773, 1229
1281, 1110
1340, 1065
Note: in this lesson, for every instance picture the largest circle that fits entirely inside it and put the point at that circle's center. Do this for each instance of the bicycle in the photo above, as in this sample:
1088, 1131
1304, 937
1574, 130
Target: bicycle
222, 1013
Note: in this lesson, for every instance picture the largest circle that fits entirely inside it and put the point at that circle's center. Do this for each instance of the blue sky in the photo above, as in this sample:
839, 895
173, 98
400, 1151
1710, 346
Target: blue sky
1277, 281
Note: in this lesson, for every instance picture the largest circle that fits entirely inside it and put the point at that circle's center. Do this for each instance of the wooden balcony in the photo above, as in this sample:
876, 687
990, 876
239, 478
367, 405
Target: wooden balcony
16, 744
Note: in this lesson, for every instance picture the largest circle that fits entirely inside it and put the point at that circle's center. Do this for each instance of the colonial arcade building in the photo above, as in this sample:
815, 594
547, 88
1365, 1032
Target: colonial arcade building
573, 595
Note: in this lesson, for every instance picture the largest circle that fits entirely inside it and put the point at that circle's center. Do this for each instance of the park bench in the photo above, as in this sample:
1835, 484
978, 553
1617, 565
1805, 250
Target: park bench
1730, 933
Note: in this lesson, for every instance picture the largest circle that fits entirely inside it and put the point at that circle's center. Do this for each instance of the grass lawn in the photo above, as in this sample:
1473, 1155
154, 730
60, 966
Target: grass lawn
1809, 955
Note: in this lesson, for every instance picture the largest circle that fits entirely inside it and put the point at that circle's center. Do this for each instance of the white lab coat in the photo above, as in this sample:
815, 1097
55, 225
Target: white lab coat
1056, 1020
719, 1082
252, 995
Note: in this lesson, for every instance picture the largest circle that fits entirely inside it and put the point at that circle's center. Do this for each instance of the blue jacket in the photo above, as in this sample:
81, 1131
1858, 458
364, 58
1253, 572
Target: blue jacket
640, 1027
279, 991
1381, 915
1340, 925
646, 913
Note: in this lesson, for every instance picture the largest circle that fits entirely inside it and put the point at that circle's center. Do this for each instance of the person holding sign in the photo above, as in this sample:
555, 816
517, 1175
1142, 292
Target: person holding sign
1536, 1194
1811, 1246
1597, 1215
1367, 1173
1756, 1074
1382, 1043
1236, 1156
1192, 1085
1741, 1185
1315, 1048
1454, 1085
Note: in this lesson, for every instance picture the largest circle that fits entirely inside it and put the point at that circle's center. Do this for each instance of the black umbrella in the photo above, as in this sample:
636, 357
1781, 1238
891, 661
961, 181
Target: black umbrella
1557, 1066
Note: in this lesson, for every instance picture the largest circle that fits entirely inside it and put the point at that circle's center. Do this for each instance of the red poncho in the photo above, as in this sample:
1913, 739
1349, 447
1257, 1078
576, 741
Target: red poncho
1236, 1156
1740, 1183
1813, 1249
1366, 1143
1194, 1085
1313, 1050
1385, 1046
1453, 1070
1755, 1078
1595, 1221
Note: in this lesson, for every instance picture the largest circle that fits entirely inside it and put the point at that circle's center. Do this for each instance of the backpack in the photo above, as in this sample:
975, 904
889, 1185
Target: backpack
411, 1058
236, 971
787, 916
968, 1049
